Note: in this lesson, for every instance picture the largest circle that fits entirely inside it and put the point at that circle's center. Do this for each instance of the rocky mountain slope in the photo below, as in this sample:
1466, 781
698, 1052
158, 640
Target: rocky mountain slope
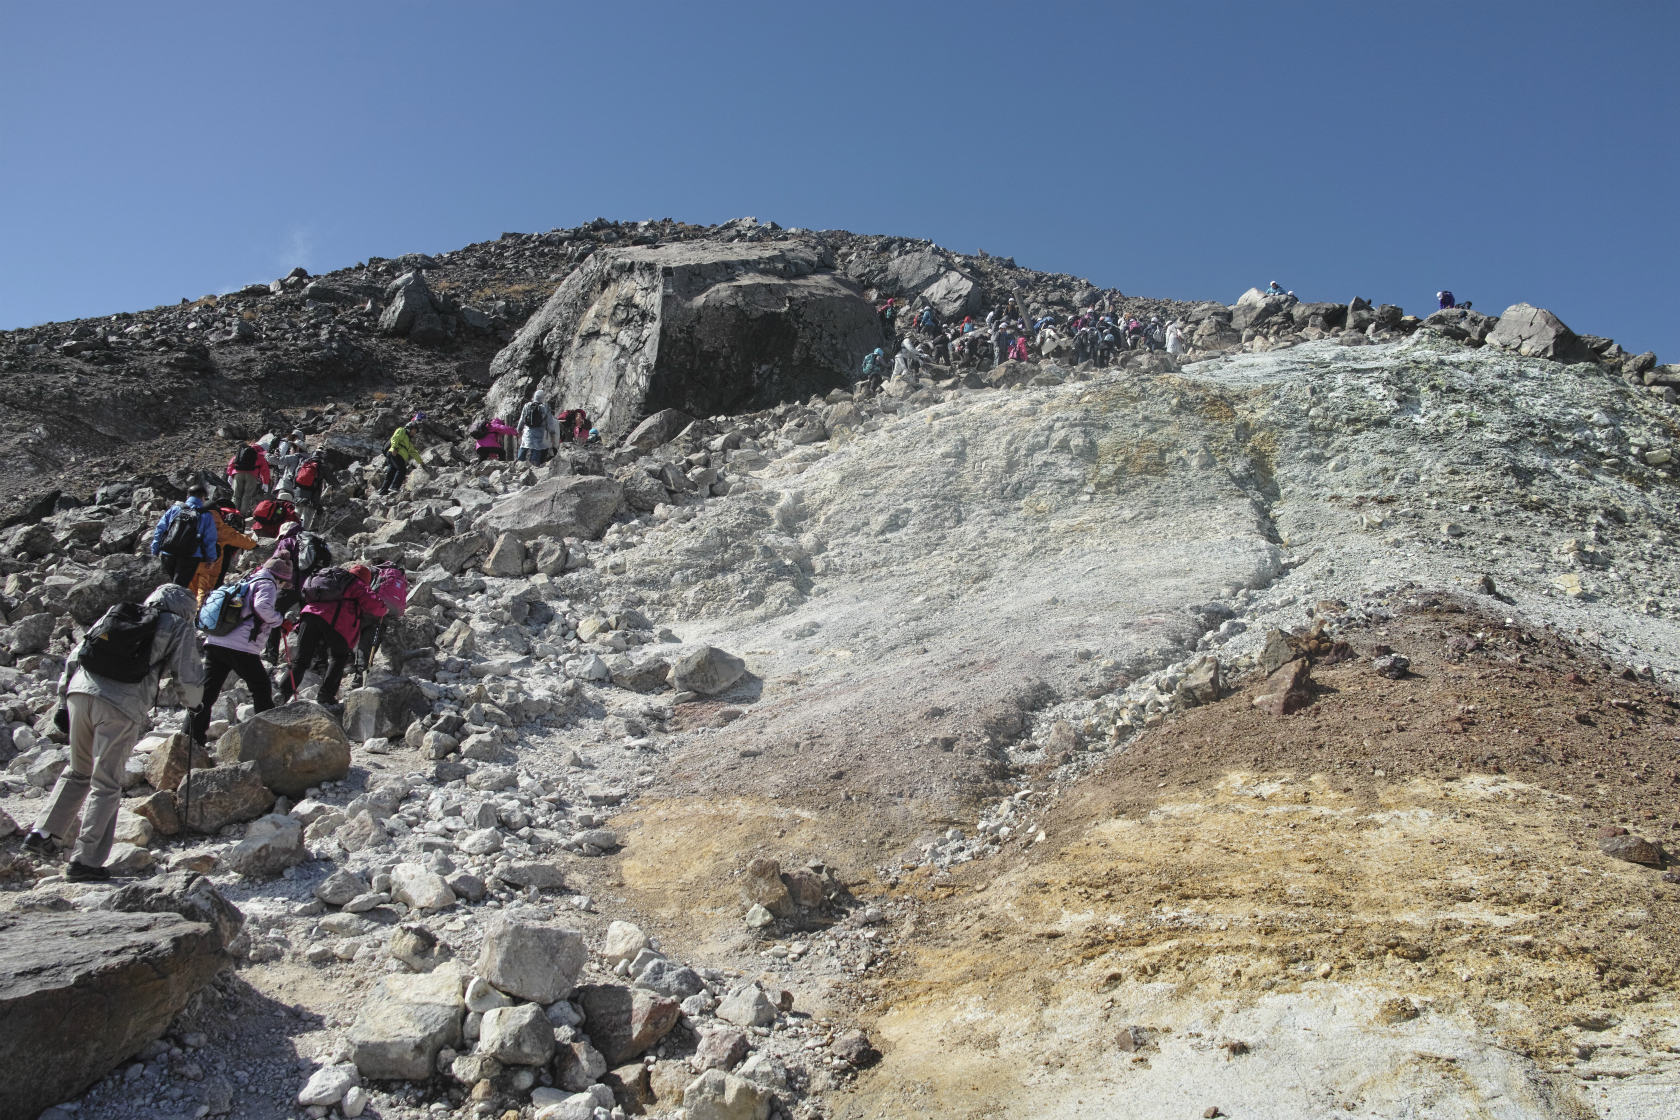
1283, 731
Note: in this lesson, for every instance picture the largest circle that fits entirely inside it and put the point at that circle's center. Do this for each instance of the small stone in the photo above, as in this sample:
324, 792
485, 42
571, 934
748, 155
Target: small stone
1633, 849
420, 888
329, 1084
1393, 666
623, 942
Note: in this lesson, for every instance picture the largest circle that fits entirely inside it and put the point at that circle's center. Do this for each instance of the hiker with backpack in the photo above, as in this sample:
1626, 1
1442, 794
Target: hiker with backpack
574, 426
390, 586
539, 431
308, 480
336, 603
306, 553
110, 683
270, 514
400, 454
489, 438
228, 541
239, 620
250, 474
185, 536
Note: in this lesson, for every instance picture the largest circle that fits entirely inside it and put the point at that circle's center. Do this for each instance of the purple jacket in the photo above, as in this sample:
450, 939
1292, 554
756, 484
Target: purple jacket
260, 606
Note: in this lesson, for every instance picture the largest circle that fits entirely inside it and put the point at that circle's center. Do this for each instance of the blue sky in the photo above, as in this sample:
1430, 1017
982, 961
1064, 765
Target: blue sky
1510, 151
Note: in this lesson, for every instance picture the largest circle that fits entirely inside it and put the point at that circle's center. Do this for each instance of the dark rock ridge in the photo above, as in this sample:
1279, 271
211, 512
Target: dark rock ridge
704, 328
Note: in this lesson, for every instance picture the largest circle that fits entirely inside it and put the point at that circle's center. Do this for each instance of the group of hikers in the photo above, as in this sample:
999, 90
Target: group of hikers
1097, 333
198, 629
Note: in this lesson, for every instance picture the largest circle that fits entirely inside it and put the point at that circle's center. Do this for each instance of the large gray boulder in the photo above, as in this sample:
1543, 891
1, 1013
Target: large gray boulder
223, 795
383, 708
411, 312
295, 746
1255, 307
81, 992
405, 1022
531, 962
1535, 332
707, 670
571, 506
698, 326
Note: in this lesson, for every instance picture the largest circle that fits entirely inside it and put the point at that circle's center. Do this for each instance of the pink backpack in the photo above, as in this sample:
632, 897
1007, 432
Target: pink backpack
390, 584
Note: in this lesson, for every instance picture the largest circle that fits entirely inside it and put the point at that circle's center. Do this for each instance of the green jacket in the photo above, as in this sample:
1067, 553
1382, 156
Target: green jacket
402, 445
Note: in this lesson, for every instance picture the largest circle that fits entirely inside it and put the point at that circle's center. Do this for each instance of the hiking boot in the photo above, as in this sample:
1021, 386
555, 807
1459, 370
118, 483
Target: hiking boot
79, 872
39, 843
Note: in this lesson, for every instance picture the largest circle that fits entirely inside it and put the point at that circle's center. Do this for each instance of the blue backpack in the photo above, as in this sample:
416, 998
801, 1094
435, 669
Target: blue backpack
224, 608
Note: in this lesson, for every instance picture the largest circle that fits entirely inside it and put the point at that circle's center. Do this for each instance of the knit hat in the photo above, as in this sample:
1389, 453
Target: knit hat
281, 567
362, 572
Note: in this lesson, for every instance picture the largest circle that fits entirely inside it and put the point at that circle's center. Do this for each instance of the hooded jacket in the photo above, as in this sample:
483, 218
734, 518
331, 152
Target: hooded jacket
262, 597
402, 445
175, 653
498, 430
209, 574
207, 545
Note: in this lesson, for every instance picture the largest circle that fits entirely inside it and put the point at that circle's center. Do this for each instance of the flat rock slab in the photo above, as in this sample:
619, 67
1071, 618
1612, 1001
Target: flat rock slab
81, 992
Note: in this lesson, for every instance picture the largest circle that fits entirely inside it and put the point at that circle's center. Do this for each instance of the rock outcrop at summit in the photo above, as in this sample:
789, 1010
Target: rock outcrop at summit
705, 328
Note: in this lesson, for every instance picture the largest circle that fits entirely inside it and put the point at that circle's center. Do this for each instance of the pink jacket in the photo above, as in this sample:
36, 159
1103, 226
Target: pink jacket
261, 472
498, 430
346, 615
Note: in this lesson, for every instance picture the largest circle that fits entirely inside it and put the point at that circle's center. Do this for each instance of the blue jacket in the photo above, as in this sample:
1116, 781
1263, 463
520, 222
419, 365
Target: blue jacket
207, 547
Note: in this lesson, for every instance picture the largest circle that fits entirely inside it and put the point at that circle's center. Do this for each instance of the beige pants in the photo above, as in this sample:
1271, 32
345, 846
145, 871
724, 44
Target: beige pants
247, 492
100, 738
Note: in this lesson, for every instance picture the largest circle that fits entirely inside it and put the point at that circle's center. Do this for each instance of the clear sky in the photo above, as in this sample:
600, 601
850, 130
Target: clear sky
1510, 151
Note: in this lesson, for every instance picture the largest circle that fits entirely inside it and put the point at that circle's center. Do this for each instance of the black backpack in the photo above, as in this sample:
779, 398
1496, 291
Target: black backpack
534, 416
182, 538
312, 555
245, 459
119, 646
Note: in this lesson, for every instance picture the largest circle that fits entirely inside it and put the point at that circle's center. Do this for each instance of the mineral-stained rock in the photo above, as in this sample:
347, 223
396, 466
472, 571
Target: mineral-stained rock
721, 1048
1634, 849
1287, 690
223, 795
569, 506
578, 1065
532, 962
762, 884
80, 992
405, 1022
517, 1036
704, 328
623, 1022
1201, 685
295, 746
707, 670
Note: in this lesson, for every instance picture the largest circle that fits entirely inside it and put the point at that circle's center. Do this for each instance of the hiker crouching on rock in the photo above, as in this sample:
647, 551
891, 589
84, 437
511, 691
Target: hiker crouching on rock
107, 690
539, 431
336, 602
240, 649
250, 475
185, 537
400, 454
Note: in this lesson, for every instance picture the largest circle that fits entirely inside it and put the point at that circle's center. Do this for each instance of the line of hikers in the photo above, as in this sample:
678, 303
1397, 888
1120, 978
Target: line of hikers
1096, 333
198, 630
539, 434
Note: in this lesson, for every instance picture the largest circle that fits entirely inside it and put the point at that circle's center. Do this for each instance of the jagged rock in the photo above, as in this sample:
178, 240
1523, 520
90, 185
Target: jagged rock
455, 554
578, 1106
647, 675
29, 635
762, 885
403, 1024
1460, 324
327, 1085
571, 506
409, 308
716, 1095
669, 979
517, 1036
222, 795
806, 888
272, 844
578, 1065
660, 428
707, 670
1201, 685
532, 962
1287, 690
92, 597
642, 492
623, 1022
1535, 332
747, 1006
295, 746
340, 887
1255, 307
721, 1048
81, 992
704, 328
507, 558
1391, 665
382, 709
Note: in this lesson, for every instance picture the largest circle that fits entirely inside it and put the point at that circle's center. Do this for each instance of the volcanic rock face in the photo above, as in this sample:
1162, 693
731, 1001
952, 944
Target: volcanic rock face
703, 328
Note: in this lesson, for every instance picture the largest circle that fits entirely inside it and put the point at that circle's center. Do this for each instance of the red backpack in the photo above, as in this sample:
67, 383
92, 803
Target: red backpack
390, 584
270, 514
309, 472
